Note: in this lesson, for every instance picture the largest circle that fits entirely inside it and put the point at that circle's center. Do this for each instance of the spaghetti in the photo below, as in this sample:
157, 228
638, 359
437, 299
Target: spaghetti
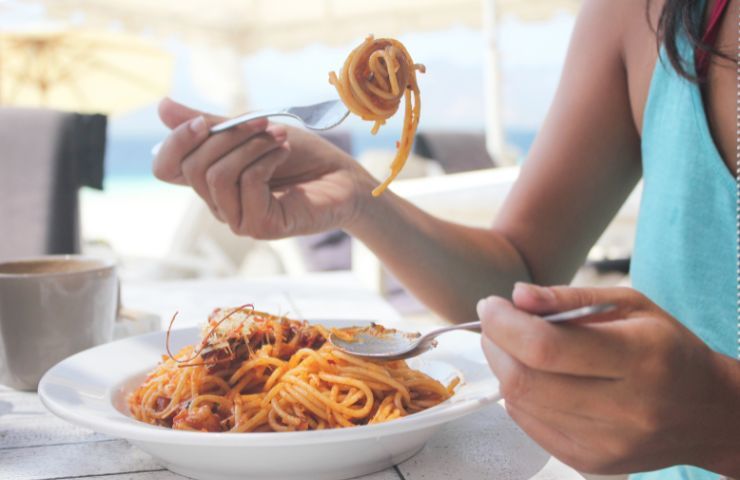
256, 372
374, 78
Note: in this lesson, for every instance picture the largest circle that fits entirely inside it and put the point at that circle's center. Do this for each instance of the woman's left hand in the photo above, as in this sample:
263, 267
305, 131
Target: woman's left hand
631, 390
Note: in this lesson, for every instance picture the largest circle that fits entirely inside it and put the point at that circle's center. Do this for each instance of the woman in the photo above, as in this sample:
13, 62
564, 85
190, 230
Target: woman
654, 384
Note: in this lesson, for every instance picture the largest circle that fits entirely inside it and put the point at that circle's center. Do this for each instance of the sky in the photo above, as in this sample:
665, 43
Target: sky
531, 56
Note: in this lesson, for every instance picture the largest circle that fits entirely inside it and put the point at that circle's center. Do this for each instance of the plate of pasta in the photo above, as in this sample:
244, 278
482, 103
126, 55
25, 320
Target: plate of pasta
255, 395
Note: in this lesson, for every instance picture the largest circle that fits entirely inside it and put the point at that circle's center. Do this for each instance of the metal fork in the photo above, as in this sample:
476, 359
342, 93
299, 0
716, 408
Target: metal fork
319, 116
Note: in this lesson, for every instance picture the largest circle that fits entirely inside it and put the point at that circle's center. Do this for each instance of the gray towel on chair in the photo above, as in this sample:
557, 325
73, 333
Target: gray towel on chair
45, 156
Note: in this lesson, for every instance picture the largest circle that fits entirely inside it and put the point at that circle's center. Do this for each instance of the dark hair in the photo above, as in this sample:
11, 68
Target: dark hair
682, 17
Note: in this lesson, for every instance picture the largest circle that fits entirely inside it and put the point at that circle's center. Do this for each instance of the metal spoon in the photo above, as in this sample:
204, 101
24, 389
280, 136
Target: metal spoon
320, 116
395, 345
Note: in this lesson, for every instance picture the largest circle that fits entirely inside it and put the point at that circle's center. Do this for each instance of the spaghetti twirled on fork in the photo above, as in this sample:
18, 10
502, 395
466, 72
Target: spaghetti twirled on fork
372, 82
258, 372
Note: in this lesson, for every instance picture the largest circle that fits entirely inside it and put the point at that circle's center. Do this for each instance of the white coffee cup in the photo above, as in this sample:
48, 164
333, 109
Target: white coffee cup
50, 308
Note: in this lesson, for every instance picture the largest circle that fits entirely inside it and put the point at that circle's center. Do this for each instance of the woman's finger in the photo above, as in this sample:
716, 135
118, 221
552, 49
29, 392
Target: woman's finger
223, 177
184, 139
181, 141
543, 300
593, 350
565, 395
197, 163
262, 214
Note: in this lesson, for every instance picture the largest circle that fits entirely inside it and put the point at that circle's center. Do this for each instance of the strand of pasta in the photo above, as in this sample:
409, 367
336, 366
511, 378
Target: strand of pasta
374, 78
310, 389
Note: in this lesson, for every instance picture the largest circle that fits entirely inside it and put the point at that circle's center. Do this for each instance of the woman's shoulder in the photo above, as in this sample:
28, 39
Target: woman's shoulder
626, 20
628, 28
624, 26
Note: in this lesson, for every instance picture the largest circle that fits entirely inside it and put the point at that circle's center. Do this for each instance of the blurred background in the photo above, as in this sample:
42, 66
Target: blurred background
492, 70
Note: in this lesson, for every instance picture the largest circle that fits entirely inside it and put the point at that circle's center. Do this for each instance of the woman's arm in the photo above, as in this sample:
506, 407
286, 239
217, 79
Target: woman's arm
582, 166
584, 163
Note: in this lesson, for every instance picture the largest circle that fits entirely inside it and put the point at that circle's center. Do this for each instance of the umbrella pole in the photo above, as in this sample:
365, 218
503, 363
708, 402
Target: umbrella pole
2, 78
495, 137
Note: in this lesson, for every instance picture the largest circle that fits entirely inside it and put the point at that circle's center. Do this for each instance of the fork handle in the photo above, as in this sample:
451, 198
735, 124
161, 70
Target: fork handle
248, 117
233, 122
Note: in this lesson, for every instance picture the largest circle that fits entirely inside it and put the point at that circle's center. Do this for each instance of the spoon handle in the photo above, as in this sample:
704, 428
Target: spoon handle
579, 312
559, 317
472, 326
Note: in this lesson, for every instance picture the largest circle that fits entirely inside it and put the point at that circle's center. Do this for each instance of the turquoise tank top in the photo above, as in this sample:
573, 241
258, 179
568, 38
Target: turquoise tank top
684, 257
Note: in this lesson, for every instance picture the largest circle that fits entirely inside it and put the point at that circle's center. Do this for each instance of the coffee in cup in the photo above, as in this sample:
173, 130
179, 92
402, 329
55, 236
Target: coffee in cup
50, 308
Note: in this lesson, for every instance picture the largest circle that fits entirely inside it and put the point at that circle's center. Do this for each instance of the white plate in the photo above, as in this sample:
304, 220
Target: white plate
89, 389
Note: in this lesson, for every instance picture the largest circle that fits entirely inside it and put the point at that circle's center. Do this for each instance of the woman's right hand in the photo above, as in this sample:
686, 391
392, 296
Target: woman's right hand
264, 180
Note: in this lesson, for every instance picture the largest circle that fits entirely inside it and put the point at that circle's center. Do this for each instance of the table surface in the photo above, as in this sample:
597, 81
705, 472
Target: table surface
35, 445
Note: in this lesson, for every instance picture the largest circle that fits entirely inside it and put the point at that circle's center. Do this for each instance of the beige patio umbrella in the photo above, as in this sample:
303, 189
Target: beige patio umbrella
220, 33
250, 25
81, 71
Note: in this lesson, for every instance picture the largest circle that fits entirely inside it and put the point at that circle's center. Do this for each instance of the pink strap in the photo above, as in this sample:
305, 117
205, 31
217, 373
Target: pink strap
710, 36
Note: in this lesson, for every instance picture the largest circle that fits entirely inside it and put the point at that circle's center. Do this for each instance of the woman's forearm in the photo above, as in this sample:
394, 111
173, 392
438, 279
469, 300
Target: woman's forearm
446, 265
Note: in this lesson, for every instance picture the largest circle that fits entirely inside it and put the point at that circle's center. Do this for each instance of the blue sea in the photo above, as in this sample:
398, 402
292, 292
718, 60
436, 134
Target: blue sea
128, 158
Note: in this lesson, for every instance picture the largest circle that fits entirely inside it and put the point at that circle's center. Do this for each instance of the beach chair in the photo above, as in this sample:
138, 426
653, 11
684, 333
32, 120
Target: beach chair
45, 157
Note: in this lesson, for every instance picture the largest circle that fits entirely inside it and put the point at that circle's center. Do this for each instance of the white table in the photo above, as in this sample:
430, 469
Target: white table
35, 445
